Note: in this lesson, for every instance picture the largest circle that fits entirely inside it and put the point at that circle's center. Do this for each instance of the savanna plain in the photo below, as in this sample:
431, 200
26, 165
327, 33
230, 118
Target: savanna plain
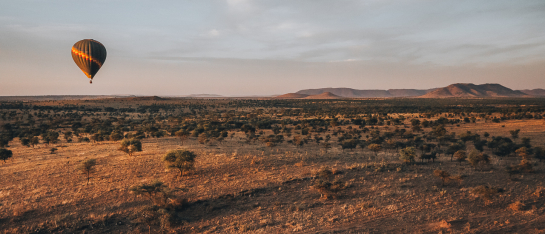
180, 165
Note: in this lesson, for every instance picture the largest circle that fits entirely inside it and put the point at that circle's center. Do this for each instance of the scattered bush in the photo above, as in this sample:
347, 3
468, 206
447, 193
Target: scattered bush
5, 154
460, 156
156, 191
325, 185
87, 167
478, 159
407, 154
486, 193
183, 160
446, 177
130, 146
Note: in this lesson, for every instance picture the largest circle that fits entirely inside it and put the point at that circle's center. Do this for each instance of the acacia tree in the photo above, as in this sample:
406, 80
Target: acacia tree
130, 146
460, 156
478, 159
182, 134
87, 167
5, 154
183, 160
156, 191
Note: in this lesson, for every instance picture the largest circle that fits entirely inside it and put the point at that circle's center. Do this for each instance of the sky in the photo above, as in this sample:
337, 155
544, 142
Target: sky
270, 47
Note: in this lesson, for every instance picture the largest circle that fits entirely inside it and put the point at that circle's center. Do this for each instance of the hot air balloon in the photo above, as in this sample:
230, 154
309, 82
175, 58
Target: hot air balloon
89, 55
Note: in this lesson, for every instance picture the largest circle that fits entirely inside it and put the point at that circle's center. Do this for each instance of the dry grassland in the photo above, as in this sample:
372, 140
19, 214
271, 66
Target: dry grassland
249, 188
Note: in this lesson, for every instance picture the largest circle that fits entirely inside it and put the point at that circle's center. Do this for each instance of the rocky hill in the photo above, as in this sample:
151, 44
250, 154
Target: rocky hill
453, 90
356, 93
326, 95
472, 90
291, 96
534, 92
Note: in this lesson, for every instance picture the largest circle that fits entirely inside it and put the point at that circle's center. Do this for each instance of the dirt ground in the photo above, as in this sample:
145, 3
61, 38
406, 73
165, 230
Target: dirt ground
241, 188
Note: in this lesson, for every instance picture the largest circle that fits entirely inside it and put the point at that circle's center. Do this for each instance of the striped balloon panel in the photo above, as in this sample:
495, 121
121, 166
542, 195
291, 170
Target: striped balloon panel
89, 55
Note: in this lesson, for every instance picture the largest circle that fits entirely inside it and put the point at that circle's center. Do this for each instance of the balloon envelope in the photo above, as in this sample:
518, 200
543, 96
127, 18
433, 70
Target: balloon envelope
89, 55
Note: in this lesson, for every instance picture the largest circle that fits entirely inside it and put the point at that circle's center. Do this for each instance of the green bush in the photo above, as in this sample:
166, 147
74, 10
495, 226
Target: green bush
130, 146
183, 160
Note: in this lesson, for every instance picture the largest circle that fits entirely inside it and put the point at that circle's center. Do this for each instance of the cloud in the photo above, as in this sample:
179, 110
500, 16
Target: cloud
213, 33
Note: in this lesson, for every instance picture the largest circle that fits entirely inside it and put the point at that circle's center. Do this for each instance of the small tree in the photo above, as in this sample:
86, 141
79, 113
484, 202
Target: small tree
130, 146
87, 167
5, 154
514, 134
182, 134
478, 159
407, 154
34, 141
539, 153
25, 141
325, 185
460, 156
156, 191
182, 160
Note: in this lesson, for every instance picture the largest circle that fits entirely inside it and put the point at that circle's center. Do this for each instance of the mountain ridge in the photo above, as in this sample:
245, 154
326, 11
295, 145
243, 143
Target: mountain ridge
460, 90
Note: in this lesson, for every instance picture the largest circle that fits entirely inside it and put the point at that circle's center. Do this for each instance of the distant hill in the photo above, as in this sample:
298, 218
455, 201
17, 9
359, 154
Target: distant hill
453, 90
408, 92
291, 96
534, 92
143, 98
326, 95
356, 93
472, 90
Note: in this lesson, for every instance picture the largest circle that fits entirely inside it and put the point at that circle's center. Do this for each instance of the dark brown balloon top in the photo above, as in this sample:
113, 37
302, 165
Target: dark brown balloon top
89, 55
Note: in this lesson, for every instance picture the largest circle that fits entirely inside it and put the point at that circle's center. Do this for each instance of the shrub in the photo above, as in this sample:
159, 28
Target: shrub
407, 154
130, 146
156, 191
329, 189
5, 154
160, 213
52, 150
539, 153
443, 175
460, 156
375, 148
34, 141
116, 136
25, 141
325, 185
478, 159
486, 193
183, 160
87, 167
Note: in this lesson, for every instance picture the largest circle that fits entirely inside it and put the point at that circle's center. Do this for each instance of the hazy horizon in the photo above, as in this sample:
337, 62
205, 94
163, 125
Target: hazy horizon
245, 47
